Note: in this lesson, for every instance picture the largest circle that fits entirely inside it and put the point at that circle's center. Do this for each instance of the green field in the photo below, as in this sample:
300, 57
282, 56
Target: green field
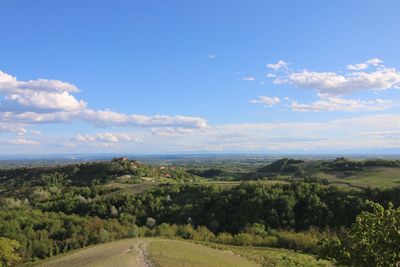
230, 184
380, 177
173, 253
145, 252
273, 256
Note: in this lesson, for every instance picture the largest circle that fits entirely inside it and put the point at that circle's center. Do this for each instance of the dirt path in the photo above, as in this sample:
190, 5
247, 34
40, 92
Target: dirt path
124, 253
142, 260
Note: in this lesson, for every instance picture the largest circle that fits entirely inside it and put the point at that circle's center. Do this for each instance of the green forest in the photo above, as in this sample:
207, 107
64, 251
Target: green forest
287, 203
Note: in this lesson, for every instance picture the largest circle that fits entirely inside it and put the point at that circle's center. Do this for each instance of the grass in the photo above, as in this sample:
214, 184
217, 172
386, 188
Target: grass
174, 253
273, 256
117, 253
378, 177
132, 188
230, 184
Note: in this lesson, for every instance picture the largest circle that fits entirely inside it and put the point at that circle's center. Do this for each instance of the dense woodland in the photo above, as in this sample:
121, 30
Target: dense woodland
50, 210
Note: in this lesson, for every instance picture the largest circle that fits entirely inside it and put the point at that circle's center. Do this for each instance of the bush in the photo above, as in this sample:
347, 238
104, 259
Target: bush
243, 239
306, 242
185, 231
203, 234
225, 238
166, 230
8, 254
270, 241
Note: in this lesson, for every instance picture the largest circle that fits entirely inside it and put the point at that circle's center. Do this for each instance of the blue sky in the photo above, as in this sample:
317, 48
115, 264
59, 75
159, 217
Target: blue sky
157, 76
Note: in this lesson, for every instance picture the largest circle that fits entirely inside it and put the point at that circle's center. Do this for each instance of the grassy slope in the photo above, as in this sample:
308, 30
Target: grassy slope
274, 256
119, 253
382, 177
175, 253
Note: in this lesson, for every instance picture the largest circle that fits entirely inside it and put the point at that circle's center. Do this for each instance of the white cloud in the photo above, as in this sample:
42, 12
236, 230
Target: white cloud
277, 137
20, 141
366, 64
46, 101
361, 66
12, 127
266, 100
279, 65
249, 78
168, 131
332, 135
109, 118
332, 103
374, 61
35, 132
332, 83
107, 137
10, 84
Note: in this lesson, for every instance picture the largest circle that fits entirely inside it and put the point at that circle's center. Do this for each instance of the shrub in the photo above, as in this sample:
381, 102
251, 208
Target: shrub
298, 241
185, 231
166, 230
8, 254
203, 234
225, 238
243, 239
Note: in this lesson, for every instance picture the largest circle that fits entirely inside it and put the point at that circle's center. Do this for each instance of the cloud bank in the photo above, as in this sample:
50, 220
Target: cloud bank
47, 101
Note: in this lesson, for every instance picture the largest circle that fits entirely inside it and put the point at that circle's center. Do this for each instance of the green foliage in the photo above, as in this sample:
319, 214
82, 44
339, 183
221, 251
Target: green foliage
166, 230
55, 209
303, 241
281, 166
373, 240
8, 251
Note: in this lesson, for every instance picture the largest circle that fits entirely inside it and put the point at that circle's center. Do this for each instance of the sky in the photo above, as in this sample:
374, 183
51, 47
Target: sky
191, 76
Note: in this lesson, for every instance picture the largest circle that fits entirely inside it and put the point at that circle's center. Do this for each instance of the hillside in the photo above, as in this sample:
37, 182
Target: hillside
48, 211
171, 253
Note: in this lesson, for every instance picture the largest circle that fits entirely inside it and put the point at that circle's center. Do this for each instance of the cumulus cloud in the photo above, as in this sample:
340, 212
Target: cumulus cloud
302, 136
333, 83
12, 127
350, 134
279, 65
331, 135
168, 131
46, 101
107, 137
249, 78
266, 100
10, 84
20, 141
362, 66
333, 103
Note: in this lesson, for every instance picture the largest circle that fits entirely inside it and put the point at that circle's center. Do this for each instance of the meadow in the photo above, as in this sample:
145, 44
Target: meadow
143, 252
